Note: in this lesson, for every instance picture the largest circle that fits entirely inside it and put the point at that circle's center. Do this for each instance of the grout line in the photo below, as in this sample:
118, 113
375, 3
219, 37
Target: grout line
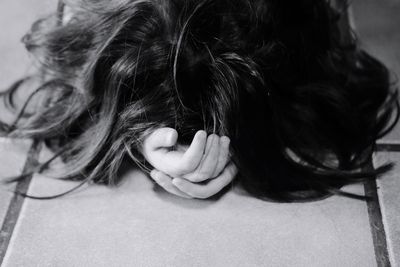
15, 205
376, 224
17, 201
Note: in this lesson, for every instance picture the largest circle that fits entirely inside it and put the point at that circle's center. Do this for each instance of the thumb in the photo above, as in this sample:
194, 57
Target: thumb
163, 137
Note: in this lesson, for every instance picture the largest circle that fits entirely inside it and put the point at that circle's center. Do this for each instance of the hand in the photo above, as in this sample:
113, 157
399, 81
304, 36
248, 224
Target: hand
178, 168
184, 188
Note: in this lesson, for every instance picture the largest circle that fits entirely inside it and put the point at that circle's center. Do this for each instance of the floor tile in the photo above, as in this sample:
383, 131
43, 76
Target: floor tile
389, 198
377, 24
16, 18
137, 224
12, 159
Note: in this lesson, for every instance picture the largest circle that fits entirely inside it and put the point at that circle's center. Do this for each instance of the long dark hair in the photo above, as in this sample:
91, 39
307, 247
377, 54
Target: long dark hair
303, 109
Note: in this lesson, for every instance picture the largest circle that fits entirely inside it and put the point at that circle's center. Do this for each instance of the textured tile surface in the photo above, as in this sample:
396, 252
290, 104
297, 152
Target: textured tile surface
389, 198
138, 225
377, 24
16, 18
12, 159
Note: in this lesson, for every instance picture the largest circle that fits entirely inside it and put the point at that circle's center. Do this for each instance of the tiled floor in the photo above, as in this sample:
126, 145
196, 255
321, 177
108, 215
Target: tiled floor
137, 224
380, 34
12, 163
15, 20
378, 24
389, 196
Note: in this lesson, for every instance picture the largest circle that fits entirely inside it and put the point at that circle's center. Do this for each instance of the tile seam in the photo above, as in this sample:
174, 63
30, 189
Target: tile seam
15, 205
376, 224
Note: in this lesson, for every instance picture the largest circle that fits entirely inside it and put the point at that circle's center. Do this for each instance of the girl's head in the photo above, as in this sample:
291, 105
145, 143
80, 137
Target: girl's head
302, 107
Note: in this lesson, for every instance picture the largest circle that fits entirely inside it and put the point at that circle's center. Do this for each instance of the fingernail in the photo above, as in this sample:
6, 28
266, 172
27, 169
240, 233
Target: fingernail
214, 137
225, 139
202, 133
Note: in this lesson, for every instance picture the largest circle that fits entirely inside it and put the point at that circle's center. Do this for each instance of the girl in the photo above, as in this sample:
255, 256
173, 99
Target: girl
294, 111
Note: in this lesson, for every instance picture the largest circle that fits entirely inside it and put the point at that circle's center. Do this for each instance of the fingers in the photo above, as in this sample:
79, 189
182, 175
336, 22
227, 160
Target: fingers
163, 137
165, 182
209, 162
223, 157
204, 159
156, 145
174, 163
209, 189
193, 155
